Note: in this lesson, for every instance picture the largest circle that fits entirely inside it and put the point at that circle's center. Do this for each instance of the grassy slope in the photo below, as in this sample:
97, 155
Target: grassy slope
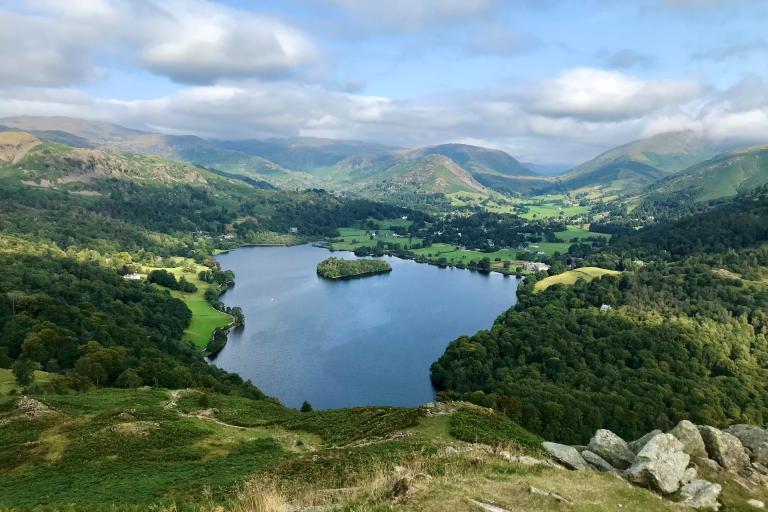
8, 382
722, 176
571, 276
205, 318
154, 449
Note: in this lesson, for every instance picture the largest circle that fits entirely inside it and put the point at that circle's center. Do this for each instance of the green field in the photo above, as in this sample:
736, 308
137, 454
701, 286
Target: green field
205, 318
570, 277
351, 238
8, 382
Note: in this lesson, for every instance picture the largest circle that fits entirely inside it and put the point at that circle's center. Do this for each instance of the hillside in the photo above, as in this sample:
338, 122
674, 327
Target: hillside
632, 166
94, 134
723, 176
306, 154
365, 168
153, 448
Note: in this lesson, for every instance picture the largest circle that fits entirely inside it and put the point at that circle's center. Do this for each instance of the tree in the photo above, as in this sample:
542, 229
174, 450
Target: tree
129, 379
24, 371
306, 407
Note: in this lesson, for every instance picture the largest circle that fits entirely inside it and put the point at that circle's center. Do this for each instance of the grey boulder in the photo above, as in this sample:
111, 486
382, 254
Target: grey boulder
701, 494
566, 455
688, 434
612, 448
638, 444
597, 462
754, 438
724, 448
660, 465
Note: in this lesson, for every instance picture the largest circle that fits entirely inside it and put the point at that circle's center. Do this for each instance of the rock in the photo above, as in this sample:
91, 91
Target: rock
612, 448
725, 448
549, 494
32, 408
689, 435
660, 464
523, 460
701, 494
756, 503
486, 506
597, 461
706, 462
638, 444
565, 455
689, 476
754, 438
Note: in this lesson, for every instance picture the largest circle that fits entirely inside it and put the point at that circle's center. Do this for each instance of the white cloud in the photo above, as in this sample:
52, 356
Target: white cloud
598, 95
53, 43
201, 42
567, 118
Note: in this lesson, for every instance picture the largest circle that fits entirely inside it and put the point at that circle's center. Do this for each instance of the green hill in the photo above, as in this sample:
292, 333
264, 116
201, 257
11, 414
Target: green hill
631, 167
723, 176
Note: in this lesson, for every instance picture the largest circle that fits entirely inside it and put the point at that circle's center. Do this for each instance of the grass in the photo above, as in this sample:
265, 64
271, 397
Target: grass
205, 318
552, 210
8, 381
351, 238
476, 426
571, 276
132, 450
343, 426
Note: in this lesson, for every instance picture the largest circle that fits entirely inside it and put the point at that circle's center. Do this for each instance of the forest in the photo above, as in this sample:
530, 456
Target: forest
685, 336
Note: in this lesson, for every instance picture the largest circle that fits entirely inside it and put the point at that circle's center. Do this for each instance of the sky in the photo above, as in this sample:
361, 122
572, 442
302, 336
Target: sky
549, 81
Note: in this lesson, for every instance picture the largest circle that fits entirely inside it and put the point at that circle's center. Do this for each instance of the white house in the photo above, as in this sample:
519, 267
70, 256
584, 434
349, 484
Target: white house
605, 308
133, 277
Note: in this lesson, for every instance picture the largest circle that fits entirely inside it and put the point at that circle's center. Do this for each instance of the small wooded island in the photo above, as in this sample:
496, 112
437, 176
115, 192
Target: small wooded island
337, 268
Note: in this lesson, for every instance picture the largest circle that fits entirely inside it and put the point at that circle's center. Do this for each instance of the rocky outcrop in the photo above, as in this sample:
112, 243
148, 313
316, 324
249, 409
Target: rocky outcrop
669, 463
566, 455
724, 448
754, 438
660, 465
701, 494
612, 448
638, 444
688, 434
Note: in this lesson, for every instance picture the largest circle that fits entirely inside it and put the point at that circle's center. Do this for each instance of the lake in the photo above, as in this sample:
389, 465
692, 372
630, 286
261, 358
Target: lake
366, 341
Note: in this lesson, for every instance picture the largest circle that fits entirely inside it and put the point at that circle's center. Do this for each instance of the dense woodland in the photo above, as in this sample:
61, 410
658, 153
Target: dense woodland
685, 338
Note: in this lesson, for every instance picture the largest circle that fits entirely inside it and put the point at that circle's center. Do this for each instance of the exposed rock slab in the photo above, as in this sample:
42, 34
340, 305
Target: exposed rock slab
701, 494
566, 455
660, 465
612, 448
597, 462
638, 444
688, 434
724, 448
754, 438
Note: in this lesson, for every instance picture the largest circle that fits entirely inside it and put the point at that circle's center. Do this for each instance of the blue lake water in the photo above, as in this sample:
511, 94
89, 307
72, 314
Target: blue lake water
367, 341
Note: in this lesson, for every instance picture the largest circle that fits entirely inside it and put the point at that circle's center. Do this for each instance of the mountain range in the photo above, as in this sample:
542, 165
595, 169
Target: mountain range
664, 163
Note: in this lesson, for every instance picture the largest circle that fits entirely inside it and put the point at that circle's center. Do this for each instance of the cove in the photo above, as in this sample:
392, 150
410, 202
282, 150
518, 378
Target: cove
366, 341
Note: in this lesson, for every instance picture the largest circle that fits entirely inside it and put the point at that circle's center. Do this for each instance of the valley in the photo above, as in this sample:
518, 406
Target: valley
187, 323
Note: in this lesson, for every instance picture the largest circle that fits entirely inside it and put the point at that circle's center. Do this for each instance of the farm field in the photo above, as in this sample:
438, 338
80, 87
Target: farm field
350, 238
570, 277
205, 318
